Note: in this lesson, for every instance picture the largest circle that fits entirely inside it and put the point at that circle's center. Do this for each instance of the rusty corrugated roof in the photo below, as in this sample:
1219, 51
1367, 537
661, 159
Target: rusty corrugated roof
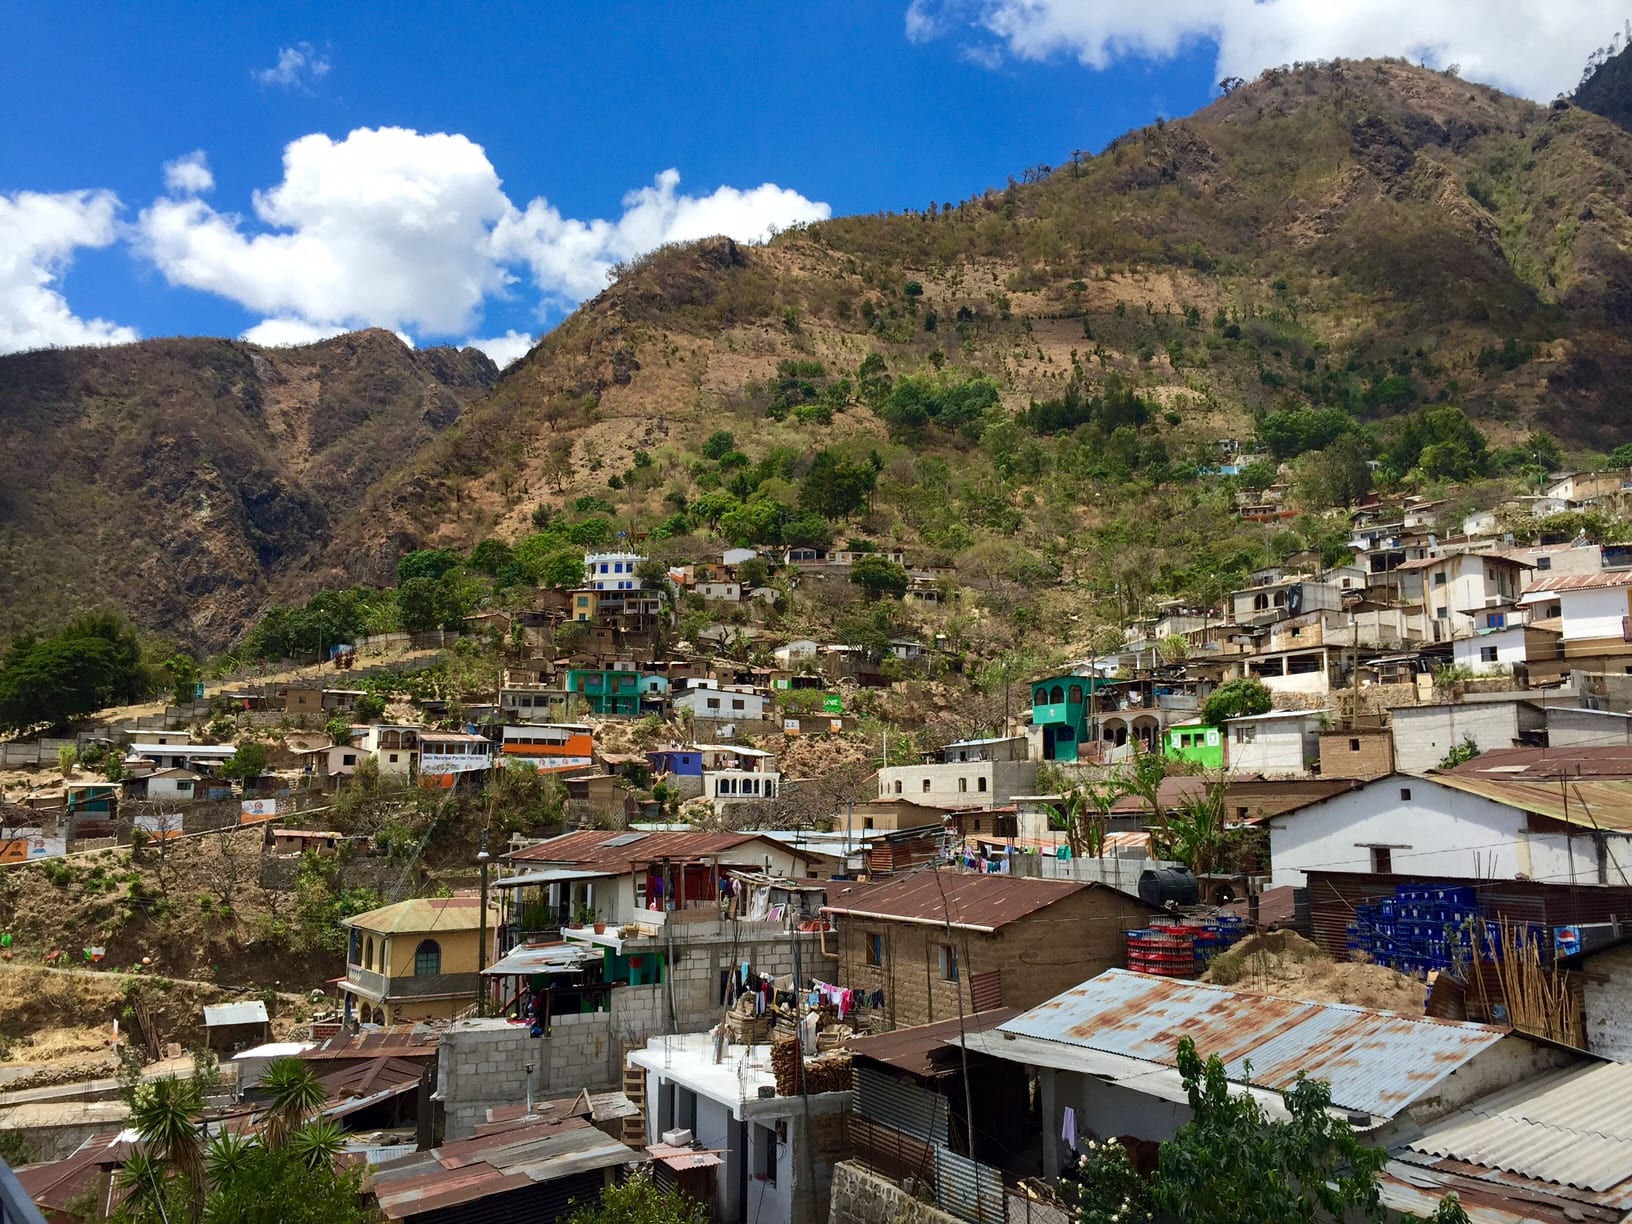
912, 1049
1588, 802
469, 1170
1374, 1061
964, 899
1533, 764
1580, 582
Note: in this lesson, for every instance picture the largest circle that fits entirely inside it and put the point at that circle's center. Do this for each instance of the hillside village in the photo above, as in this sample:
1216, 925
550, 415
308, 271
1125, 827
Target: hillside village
925, 721
1412, 767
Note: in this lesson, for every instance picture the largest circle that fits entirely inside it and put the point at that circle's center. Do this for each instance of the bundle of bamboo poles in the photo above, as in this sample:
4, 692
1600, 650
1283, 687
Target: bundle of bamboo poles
1538, 1000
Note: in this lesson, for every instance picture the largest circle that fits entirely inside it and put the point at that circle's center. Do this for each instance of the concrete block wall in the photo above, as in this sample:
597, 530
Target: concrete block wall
483, 1062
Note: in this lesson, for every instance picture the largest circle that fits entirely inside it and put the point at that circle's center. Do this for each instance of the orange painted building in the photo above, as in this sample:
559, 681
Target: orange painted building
549, 747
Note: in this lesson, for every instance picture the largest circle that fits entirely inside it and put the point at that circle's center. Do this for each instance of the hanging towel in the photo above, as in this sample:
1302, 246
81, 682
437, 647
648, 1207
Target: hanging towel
1068, 1128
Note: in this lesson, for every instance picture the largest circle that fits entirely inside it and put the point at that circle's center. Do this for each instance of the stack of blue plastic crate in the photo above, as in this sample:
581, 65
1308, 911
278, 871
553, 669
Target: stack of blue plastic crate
1420, 928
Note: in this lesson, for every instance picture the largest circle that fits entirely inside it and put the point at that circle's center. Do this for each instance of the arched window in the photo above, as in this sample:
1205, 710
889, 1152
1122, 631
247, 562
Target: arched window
1076, 694
1040, 696
1260, 603
368, 953
926, 786
428, 958
963, 784
1057, 694
898, 788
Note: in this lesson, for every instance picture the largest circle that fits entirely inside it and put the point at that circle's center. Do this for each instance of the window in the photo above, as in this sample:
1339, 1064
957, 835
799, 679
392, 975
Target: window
765, 1154
428, 958
1056, 694
1544, 563
393, 758
963, 784
1405, 794
1382, 860
875, 948
980, 784
368, 953
713, 703
685, 1108
184, 786
949, 963
1496, 620
898, 788
926, 786
1354, 745
348, 758
1076, 694
1444, 613
1487, 654
1246, 735
738, 704
977, 824
866, 822
1439, 580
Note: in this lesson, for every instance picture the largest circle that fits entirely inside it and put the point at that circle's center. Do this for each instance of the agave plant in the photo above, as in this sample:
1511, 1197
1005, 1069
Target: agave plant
227, 1156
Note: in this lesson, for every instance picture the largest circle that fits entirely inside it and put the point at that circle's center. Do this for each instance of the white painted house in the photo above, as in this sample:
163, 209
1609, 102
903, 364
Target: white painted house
1491, 651
1459, 593
723, 703
1589, 607
1462, 826
1282, 743
796, 652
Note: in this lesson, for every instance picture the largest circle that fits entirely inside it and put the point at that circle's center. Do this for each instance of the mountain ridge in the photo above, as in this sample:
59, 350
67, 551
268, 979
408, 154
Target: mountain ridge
1353, 235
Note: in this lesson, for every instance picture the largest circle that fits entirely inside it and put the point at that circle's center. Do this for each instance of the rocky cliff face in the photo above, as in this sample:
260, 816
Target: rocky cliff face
180, 478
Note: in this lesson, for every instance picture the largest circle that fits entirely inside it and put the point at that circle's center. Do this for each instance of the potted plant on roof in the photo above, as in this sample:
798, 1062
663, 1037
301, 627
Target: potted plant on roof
587, 917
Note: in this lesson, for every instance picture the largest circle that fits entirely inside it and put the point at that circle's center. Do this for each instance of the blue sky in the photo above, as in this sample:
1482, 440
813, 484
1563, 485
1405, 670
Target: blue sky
460, 172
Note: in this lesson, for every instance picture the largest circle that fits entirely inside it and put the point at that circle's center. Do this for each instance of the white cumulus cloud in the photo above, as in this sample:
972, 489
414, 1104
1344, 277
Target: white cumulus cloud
189, 175
39, 234
504, 349
1534, 47
297, 67
413, 231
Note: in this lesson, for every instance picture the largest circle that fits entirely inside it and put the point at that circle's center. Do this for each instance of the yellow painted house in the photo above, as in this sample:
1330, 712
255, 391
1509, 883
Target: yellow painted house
415, 960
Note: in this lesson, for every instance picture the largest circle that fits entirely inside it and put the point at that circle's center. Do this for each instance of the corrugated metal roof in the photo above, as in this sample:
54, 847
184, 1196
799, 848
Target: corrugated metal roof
1572, 1126
219, 1014
1374, 1062
1580, 582
1590, 803
911, 1049
472, 1169
555, 875
964, 899
399, 1040
599, 848
1535, 764
543, 958
424, 914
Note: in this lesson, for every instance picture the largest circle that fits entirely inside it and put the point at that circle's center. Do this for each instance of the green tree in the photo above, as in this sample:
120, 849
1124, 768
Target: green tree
248, 762
57, 679
836, 488
491, 557
422, 604
370, 707
1337, 476
427, 563
879, 576
720, 442
638, 1201
1236, 699
297, 1184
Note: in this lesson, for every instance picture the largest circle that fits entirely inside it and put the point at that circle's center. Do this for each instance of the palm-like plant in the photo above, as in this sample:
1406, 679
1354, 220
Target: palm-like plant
318, 1144
140, 1181
167, 1117
227, 1156
296, 1095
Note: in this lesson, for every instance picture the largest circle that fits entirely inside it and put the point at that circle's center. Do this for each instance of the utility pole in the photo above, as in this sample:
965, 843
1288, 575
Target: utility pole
482, 858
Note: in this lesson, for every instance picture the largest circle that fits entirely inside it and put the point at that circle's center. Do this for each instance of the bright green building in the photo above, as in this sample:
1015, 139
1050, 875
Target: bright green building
1195, 744
1060, 707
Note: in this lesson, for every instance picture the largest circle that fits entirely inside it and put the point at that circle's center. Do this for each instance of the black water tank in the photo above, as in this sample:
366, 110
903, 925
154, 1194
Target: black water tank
1161, 885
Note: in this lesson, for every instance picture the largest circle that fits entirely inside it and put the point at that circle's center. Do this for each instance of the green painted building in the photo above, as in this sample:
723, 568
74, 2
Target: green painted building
606, 692
1060, 707
1195, 744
